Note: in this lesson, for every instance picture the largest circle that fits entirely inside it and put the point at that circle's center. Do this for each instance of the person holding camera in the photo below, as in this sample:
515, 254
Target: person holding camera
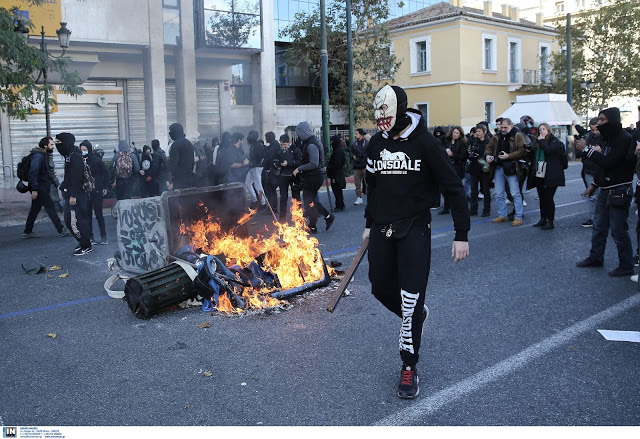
548, 173
617, 163
589, 167
503, 153
479, 171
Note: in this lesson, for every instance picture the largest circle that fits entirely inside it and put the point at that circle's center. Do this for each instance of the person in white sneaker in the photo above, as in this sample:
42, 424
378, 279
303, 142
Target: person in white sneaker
359, 158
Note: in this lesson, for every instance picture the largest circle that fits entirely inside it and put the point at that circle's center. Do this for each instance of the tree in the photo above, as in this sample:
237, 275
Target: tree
605, 48
373, 62
21, 65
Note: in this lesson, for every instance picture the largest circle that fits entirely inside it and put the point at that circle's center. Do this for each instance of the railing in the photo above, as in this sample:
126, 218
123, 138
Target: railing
10, 173
530, 76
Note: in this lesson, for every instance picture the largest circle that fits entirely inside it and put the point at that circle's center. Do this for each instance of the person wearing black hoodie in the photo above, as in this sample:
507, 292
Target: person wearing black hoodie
335, 170
617, 161
76, 207
161, 160
150, 167
181, 159
406, 170
40, 188
312, 171
289, 158
101, 178
270, 170
479, 171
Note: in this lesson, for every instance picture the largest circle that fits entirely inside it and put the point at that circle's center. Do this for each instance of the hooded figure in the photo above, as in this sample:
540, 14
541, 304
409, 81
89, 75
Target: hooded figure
406, 170
124, 185
76, 209
617, 164
181, 158
271, 169
440, 134
312, 171
101, 176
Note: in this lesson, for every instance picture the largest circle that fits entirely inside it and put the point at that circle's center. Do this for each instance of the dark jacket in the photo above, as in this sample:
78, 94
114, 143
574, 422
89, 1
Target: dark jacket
151, 161
335, 165
312, 151
459, 157
228, 154
256, 150
99, 170
516, 149
359, 151
293, 157
39, 173
405, 177
124, 148
588, 165
270, 155
476, 151
553, 150
73, 166
181, 155
617, 160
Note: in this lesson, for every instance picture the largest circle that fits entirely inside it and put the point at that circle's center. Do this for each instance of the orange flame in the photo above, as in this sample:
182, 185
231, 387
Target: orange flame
290, 253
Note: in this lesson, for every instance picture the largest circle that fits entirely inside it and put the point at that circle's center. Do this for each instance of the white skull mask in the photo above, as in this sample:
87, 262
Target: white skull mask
386, 108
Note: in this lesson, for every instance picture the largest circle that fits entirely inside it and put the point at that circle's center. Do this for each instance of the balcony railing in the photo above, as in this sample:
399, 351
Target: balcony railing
530, 77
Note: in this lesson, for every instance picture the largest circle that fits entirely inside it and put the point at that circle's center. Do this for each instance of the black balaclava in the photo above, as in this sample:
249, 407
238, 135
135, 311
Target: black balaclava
176, 131
613, 125
155, 144
390, 107
66, 145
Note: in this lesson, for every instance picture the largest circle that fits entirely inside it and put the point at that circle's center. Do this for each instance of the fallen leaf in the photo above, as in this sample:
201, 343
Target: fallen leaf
64, 274
49, 276
207, 373
52, 335
54, 268
203, 325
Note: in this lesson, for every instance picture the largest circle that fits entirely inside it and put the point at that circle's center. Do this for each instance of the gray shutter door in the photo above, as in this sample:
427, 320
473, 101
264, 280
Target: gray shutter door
172, 111
208, 105
136, 113
97, 124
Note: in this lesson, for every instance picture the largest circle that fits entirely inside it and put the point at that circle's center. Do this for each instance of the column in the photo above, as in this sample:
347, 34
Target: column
266, 120
186, 97
155, 95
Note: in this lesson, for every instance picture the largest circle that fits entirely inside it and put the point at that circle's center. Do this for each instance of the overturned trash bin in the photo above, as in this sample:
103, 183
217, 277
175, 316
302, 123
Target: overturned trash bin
214, 221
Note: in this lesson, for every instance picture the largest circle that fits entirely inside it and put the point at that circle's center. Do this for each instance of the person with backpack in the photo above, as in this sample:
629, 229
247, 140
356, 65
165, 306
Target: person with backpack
34, 168
101, 177
76, 207
126, 166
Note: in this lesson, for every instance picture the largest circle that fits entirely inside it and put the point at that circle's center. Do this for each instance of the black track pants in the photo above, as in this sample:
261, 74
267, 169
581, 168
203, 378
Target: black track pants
399, 271
77, 218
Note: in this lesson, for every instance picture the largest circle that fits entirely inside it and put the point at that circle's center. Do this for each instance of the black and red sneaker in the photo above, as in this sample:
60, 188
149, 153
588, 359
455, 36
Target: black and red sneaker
408, 387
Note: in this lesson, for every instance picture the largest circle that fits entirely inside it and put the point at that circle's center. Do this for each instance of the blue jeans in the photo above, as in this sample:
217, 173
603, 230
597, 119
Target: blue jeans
593, 199
615, 218
501, 196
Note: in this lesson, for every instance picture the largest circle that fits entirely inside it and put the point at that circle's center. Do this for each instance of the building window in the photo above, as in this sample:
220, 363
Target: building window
171, 21
424, 109
421, 55
580, 4
241, 84
514, 58
489, 115
489, 57
232, 23
559, 7
384, 68
545, 56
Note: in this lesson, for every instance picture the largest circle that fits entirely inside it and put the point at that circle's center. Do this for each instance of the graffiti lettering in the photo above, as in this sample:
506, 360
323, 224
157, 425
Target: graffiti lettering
138, 224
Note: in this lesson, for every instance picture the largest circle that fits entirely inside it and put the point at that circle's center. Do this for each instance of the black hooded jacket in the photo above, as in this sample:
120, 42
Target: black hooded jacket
99, 170
181, 155
73, 165
617, 160
405, 177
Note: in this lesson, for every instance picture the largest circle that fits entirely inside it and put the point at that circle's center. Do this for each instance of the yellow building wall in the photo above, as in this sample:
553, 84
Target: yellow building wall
443, 103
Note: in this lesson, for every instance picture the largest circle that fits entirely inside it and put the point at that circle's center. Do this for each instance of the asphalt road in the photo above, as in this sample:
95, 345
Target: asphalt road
511, 339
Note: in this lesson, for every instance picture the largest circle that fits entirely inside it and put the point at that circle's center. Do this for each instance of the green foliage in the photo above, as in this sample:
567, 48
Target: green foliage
20, 68
605, 48
373, 64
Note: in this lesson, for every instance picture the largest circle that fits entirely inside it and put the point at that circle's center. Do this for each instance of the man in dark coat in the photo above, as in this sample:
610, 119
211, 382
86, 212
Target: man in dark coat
616, 160
101, 178
40, 189
76, 206
181, 159
359, 158
335, 170
289, 158
270, 170
230, 161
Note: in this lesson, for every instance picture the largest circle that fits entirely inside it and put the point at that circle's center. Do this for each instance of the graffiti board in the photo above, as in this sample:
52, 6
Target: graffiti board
141, 233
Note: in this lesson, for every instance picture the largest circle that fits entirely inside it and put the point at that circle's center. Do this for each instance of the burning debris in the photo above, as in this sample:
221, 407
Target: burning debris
238, 272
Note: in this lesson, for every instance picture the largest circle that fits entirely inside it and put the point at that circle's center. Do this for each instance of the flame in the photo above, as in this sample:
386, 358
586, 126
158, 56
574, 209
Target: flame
290, 253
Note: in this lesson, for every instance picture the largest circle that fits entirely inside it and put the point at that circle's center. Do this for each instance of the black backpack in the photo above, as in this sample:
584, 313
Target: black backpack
23, 167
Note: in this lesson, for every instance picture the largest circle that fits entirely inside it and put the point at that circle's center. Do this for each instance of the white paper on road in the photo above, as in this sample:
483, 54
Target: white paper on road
632, 336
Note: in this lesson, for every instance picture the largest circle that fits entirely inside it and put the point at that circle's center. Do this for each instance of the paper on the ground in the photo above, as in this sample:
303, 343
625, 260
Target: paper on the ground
632, 336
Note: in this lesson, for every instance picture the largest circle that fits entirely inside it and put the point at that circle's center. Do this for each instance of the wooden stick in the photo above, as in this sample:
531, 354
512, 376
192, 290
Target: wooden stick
348, 275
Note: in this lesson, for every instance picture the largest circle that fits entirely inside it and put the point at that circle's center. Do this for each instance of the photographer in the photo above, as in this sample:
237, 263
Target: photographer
289, 158
479, 171
589, 167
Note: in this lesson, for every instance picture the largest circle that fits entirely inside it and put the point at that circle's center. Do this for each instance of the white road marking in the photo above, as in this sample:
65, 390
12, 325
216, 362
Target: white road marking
425, 407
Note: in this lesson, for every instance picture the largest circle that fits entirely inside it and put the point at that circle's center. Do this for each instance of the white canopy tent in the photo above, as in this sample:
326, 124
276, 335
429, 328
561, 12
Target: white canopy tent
550, 108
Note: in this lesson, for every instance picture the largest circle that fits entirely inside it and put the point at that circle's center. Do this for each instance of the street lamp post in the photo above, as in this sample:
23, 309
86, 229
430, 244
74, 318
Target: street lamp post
587, 86
64, 35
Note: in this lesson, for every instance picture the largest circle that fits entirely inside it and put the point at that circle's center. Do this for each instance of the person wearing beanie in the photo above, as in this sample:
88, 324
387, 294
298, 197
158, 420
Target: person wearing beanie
406, 170
101, 177
616, 161
181, 159
76, 206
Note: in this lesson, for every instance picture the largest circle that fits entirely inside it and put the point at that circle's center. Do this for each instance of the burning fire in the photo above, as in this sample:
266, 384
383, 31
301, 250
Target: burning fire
290, 253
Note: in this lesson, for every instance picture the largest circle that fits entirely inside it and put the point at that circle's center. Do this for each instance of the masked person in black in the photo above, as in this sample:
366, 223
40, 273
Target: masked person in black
312, 171
101, 178
77, 214
271, 171
406, 169
290, 158
616, 160
479, 171
40, 188
181, 159
335, 170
